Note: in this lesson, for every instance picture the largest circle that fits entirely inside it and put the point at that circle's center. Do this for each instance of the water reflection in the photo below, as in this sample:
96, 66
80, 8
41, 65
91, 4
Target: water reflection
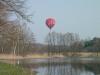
62, 67
66, 69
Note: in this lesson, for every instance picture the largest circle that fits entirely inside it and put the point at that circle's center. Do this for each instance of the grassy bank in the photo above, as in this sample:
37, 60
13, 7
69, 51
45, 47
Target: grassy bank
8, 69
45, 55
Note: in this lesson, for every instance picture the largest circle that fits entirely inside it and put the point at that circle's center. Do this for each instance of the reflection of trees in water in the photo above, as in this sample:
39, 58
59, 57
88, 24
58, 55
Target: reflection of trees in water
68, 70
65, 68
94, 67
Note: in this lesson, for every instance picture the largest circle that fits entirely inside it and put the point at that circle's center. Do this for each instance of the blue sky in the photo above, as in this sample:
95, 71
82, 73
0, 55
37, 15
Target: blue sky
76, 16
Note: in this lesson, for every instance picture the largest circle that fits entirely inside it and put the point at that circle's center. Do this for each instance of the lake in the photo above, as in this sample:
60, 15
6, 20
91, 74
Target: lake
63, 66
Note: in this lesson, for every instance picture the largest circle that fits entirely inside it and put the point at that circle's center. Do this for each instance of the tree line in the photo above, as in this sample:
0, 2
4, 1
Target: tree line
64, 42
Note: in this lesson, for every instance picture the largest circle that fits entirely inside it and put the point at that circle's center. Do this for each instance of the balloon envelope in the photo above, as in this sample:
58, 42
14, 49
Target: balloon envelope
50, 22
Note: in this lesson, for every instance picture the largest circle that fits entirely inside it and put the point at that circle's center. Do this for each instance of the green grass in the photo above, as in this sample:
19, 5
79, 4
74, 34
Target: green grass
8, 69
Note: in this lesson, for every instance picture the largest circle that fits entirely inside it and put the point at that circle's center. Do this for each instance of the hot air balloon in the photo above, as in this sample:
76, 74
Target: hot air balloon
50, 22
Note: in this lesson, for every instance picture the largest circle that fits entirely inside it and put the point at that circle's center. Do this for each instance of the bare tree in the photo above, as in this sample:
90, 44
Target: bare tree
60, 42
17, 7
15, 36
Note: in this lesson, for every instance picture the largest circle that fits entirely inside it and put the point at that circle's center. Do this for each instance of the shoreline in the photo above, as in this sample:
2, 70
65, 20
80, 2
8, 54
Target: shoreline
15, 57
42, 56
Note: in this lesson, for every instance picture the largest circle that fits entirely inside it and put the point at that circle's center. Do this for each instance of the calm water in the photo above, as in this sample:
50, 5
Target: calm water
62, 67
63, 70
